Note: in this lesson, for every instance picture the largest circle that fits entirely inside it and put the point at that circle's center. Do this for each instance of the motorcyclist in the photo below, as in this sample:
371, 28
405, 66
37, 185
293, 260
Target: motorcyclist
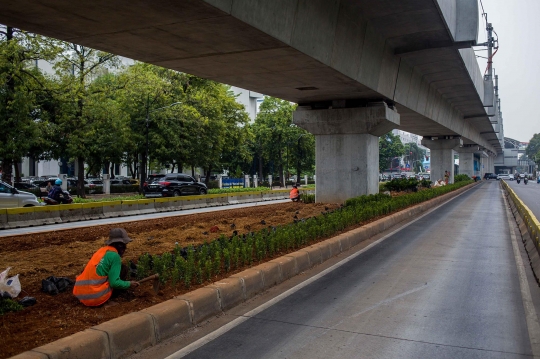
56, 192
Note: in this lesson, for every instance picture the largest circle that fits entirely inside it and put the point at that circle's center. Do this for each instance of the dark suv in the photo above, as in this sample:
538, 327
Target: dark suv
174, 184
490, 176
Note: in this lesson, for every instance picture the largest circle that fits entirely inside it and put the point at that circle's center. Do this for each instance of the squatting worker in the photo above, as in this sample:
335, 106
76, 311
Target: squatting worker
102, 274
294, 195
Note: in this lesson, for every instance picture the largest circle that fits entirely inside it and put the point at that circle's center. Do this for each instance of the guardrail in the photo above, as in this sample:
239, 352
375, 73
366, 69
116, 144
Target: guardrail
37, 216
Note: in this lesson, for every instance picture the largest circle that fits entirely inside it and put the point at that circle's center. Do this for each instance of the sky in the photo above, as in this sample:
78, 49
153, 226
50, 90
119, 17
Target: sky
517, 63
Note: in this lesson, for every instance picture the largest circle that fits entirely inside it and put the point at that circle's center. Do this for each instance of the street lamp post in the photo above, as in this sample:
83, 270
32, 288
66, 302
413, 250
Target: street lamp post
144, 165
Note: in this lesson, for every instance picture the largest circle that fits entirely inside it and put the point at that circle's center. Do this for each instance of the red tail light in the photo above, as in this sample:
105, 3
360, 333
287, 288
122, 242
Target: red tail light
164, 183
145, 184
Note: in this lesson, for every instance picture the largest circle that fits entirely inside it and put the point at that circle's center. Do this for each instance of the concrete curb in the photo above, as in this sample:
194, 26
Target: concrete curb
131, 333
528, 225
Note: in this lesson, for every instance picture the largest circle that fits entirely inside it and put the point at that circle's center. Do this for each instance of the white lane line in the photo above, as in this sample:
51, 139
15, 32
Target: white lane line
224, 329
530, 313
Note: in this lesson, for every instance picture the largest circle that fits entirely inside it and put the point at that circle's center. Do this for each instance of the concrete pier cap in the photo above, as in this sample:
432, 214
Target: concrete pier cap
442, 155
347, 147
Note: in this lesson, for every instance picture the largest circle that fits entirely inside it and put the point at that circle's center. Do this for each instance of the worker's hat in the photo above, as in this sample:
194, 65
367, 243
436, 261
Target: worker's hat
118, 235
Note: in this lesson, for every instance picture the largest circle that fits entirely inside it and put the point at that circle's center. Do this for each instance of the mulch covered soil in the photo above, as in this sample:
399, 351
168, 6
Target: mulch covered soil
65, 253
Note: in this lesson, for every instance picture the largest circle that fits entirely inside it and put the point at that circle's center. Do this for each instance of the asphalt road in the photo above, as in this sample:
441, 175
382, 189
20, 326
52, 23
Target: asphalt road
445, 286
529, 194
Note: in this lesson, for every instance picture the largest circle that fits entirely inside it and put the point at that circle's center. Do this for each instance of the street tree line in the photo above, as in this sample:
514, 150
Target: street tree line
97, 112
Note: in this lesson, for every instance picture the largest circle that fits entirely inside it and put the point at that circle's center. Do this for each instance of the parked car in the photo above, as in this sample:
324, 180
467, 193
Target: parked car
11, 197
490, 176
25, 185
505, 177
174, 184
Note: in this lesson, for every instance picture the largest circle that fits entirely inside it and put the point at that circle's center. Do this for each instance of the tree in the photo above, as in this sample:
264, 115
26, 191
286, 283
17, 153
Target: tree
415, 155
81, 109
533, 148
273, 129
390, 147
21, 93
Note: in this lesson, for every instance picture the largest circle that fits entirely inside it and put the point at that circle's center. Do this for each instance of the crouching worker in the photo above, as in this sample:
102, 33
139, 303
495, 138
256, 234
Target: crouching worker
294, 195
102, 274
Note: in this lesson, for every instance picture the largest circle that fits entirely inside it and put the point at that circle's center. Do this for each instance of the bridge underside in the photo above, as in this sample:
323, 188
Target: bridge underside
305, 51
357, 68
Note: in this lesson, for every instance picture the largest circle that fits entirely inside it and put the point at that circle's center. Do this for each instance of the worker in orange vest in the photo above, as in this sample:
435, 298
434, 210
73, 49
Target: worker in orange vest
294, 195
102, 274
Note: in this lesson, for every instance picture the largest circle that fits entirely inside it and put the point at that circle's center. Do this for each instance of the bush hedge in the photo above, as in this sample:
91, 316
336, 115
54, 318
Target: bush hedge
461, 177
189, 265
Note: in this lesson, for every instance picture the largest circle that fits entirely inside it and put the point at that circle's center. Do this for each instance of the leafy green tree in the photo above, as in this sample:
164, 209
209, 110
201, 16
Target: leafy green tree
22, 88
81, 107
414, 156
390, 147
533, 148
274, 130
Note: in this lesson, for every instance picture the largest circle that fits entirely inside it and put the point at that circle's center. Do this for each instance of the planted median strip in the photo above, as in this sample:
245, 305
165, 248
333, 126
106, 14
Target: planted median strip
196, 265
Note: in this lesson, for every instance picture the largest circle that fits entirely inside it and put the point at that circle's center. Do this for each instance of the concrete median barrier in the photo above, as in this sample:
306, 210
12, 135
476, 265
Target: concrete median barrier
249, 197
21, 217
3, 219
252, 281
231, 292
146, 206
302, 260
72, 212
271, 274
163, 205
93, 210
193, 202
31, 355
287, 267
48, 214
112, 209
213, 200
130, 207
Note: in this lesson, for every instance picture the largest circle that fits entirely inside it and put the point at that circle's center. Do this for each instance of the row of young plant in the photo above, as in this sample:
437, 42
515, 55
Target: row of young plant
184, 267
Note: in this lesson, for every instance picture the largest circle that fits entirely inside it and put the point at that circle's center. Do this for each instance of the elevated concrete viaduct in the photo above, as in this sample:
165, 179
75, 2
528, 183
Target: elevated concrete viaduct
355, 67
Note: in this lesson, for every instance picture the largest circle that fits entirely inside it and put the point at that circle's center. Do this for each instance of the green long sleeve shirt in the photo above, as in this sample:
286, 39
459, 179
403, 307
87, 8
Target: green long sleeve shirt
110, 266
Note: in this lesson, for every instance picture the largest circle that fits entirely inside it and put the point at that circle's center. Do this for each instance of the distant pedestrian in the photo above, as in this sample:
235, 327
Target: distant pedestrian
446, 177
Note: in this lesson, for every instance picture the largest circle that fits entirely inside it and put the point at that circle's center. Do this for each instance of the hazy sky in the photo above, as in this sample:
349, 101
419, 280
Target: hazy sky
517, 63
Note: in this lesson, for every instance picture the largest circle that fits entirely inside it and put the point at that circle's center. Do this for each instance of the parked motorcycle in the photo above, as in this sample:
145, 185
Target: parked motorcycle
65, 198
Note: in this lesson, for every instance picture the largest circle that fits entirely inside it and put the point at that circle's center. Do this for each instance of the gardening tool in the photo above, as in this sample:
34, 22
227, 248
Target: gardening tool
155, 284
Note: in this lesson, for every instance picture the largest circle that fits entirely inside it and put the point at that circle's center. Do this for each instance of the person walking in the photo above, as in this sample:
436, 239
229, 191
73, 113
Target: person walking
101, 275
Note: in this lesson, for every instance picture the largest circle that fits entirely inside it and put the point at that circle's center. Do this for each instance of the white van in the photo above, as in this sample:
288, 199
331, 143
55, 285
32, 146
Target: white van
11, 197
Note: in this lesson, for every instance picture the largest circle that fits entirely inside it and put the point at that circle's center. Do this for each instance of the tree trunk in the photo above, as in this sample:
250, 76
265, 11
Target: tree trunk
281, 174
17, 171
260, 166
80, 178
207, 179
192, 171
112, 170
7, 170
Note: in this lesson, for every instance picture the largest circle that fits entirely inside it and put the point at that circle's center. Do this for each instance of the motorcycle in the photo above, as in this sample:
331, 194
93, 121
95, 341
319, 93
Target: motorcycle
525, 180
65, 198
518, 180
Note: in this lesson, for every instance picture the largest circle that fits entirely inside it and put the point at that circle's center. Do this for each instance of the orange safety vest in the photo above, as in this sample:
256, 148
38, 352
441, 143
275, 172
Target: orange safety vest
90, 288
294, 193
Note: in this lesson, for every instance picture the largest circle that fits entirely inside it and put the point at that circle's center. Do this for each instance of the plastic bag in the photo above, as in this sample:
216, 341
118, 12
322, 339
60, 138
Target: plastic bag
9, 286
54, 285
27, 301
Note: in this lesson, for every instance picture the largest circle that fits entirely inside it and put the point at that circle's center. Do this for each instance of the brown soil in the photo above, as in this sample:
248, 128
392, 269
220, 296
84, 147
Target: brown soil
64, 254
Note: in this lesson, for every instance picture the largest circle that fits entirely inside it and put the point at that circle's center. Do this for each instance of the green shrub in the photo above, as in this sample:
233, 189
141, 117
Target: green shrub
307, 197
401, 184
213, 185
461, 177
9, 305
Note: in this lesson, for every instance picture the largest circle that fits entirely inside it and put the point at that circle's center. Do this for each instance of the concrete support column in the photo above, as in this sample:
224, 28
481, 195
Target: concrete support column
466, 160
347, 148
442, 156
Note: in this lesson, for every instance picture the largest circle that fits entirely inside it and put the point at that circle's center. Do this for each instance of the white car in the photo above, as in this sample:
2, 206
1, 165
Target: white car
505, 177
11, 197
